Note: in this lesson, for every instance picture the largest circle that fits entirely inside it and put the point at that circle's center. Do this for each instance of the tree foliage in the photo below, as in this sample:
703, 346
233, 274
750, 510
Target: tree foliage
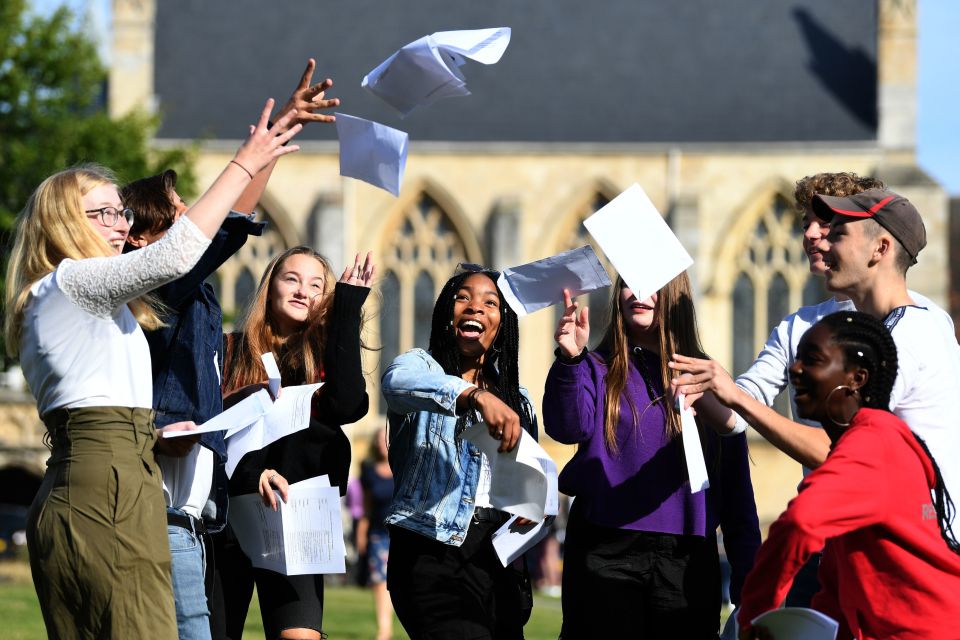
53, 116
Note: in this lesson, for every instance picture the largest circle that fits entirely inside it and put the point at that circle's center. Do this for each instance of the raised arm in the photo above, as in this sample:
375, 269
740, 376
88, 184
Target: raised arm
305, 100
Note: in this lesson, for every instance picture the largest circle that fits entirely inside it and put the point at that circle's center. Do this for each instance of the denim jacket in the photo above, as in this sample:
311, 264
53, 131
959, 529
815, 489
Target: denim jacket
187, 353
435, 472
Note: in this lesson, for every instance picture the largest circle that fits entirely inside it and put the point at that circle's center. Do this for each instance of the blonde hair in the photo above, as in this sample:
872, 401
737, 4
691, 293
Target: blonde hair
51, 228
676, 324
300, 355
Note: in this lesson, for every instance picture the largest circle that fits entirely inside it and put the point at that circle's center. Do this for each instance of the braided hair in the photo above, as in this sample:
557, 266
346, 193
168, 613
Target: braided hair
866, 341
501, 362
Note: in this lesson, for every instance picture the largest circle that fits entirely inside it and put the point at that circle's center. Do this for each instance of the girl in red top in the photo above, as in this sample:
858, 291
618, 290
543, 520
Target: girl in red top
877, 505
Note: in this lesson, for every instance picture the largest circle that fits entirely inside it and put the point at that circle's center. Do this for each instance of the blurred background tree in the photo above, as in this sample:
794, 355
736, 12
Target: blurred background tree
53, 114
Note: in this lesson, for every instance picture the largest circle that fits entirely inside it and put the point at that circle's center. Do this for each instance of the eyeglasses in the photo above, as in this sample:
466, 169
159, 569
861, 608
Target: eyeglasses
109, 216
473, 267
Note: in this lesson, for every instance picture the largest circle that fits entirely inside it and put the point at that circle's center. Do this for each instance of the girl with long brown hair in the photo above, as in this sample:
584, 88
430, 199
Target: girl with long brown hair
641, 551
311, 323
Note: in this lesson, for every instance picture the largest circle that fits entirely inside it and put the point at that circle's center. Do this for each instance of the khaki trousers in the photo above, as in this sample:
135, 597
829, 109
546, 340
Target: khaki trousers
96, 531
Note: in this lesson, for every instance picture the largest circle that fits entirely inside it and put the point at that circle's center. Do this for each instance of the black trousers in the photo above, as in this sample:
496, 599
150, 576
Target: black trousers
619, 583
442, 592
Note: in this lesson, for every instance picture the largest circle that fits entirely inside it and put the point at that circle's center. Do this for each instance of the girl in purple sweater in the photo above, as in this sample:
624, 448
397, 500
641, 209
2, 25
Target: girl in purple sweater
641, 556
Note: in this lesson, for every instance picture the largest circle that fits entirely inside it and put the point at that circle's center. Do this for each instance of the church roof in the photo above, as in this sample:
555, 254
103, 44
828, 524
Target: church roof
682, 71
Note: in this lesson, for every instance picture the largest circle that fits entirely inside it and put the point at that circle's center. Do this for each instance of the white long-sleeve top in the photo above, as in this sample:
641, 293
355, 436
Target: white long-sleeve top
80, 345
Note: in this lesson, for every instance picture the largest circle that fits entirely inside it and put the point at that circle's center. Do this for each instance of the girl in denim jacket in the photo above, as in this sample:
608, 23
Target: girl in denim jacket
443, 574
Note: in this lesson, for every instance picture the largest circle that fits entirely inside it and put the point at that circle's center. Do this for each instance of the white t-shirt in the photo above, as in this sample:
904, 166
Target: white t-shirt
80, 345
187, 480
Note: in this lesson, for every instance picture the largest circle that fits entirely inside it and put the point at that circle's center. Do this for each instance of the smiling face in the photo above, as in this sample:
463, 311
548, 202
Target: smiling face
476, 315
847, 253
820, 367
815, 232
296, 287
105, 195
639, 316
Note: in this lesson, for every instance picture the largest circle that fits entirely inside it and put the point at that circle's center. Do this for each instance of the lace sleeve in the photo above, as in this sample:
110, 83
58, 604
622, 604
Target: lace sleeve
101, 285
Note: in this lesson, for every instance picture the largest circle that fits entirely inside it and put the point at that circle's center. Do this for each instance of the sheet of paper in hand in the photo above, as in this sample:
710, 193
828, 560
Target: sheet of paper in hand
537, 285
428, 69
372, 152
304, 536
523, 481
239, 416
638, 242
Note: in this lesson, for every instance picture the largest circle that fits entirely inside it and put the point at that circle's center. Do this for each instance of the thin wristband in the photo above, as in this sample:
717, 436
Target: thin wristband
247, 171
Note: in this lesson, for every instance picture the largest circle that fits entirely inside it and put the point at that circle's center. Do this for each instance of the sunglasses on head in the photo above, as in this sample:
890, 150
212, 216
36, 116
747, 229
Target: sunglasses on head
473, 267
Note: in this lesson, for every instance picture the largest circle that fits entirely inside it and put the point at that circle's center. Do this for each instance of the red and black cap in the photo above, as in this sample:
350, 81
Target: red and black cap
892, 211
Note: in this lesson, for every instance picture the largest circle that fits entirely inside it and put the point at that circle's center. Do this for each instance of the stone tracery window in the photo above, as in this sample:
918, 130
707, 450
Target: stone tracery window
418, 258
773, 280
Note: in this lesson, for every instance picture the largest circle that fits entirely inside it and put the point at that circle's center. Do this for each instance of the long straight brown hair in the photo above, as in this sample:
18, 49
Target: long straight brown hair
300, 355
676, 324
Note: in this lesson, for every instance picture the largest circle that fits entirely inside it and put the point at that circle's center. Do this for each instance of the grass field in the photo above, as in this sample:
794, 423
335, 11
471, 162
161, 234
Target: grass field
348, 616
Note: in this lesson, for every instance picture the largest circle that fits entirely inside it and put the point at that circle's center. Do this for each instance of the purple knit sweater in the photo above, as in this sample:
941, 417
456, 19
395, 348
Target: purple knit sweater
645, 486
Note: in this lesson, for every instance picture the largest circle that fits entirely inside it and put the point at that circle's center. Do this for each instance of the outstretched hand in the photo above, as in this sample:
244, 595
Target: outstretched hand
307, 98
264, 145
704, 375
360, 275
573, 330
177, 447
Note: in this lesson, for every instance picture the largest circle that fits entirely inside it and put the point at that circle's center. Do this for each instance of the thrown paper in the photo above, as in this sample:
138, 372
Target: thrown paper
372, 152
290, 413
638, 242
513, 540
304, 536
538, 285
798, 623
522, 481
239, 416
428, 69
692, 449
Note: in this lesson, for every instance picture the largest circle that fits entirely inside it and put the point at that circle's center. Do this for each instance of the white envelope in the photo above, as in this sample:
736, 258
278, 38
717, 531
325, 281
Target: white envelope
638, 242
372, 152
537, 285
428, 69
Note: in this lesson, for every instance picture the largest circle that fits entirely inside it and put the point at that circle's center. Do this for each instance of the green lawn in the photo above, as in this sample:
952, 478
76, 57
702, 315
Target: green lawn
348, 615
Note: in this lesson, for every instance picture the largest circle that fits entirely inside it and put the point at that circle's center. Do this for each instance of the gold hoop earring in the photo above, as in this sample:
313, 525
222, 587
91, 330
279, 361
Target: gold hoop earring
826, 404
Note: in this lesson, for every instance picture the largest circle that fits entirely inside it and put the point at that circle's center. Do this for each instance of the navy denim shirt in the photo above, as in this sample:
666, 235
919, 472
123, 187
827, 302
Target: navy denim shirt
187, 354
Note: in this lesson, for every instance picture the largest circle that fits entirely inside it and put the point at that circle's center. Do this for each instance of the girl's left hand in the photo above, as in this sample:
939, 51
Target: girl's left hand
360, 276
270, 480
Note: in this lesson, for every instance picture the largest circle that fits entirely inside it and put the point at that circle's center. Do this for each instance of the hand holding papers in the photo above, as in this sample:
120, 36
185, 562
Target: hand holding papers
798, 623
537, 285
237, 417
524, 480
428, 69
638, 242
305, 536
372, 152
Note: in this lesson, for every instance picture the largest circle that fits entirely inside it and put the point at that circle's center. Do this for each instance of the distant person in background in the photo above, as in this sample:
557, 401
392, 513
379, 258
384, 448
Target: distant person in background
373, 539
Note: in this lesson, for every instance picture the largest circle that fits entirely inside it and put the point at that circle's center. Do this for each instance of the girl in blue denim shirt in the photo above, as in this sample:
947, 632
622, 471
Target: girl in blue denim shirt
443, 574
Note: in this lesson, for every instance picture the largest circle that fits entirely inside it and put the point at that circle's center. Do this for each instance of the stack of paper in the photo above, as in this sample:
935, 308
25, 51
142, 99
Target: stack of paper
304, 536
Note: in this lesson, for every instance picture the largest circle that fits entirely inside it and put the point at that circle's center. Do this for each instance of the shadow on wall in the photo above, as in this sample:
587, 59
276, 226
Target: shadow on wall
847, 73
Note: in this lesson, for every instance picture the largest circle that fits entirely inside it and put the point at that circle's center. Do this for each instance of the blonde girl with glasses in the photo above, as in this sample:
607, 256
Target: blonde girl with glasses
74, 310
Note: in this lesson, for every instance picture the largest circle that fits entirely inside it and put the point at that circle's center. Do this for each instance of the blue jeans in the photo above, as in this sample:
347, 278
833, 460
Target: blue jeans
190, 598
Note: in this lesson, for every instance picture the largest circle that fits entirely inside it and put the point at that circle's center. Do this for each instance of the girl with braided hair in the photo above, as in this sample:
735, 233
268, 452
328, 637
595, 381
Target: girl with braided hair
891, 565
443, 574
641, 547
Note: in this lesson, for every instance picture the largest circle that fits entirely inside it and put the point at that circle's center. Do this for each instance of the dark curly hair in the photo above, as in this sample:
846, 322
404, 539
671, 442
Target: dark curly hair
501, 364
867, 342
840, 184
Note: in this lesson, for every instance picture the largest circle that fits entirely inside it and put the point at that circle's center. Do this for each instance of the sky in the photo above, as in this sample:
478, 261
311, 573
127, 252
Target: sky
938, 98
